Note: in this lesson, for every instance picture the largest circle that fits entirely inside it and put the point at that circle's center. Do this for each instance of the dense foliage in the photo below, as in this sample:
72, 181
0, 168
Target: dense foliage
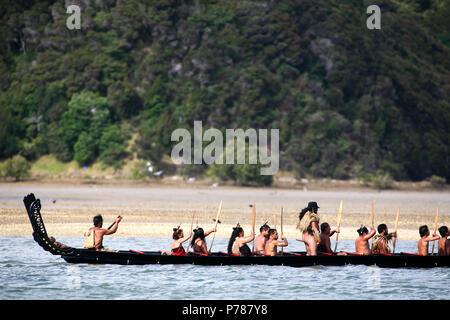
349, 102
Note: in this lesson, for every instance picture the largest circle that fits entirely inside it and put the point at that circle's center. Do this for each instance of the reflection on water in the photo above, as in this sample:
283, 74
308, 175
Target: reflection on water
27, 272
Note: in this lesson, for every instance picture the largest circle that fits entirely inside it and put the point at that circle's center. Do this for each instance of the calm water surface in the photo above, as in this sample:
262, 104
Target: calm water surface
27, 272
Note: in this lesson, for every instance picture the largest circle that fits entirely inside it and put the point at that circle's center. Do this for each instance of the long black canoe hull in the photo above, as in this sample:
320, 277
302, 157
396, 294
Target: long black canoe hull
75, 255
218, 259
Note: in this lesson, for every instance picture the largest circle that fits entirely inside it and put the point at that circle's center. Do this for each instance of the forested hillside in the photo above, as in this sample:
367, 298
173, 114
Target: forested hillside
348, 101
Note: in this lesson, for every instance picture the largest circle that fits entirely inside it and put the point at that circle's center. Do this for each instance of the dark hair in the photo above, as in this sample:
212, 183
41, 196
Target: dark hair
443, 230
362, 230
323, 226
311, 206
176, 233
97, 219
236, 232
302, 213
271, 232
265, 226
198, 233
423, 230
381, 228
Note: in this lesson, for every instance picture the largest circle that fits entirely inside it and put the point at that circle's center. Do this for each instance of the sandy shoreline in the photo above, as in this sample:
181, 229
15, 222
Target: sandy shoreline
152, 211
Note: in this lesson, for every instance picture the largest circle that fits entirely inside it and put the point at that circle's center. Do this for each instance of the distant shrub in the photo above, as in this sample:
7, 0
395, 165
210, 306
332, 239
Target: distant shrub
143, 169
16, 167
437, 181
382, 180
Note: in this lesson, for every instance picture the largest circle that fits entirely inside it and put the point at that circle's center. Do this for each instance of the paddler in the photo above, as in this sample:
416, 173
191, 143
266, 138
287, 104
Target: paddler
444, 242
198, 243
238, 242
178, 239
382, 242
362, 242
272, 243
261, 238
325, 234
94, 236
309, 227
425, 238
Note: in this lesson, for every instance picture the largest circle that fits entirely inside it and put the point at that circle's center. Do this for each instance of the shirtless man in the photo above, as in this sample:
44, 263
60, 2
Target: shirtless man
272, 243
425, 238
260, 240
326, 233
362, 242
99, 232
444, 243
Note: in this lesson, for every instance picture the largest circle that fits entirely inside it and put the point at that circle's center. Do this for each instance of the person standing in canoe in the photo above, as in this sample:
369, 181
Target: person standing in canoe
261, 238
425, 238
308, 225
198, 243
362, 242
178, 239
381, 243
272, 243
444, 243
94, 236
238, 243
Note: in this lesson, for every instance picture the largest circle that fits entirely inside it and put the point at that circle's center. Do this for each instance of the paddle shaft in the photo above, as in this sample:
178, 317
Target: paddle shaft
253, 224
435, 228
215, 226
275, 218
371, 216
338, 224
112, 225
395, 230
281, 226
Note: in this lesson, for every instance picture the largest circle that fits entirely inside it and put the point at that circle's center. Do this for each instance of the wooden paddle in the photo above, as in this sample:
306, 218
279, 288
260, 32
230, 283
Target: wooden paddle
338, 223
395, 227
435, 228
192, 222
215, 226
253, 224
275, 218
281, 226
371, 214
112, 223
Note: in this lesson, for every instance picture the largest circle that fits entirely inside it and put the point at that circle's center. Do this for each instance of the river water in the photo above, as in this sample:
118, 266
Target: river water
28, 272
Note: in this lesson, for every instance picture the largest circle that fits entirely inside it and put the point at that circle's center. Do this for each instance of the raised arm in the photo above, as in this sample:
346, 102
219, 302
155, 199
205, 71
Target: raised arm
283, 243
370, 234
181, 240
432, 238
114, 228
207, 233
335, 231
248, 238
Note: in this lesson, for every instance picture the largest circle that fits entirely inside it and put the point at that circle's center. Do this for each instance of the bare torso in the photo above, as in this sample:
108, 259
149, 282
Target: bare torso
325, 243
260, 243
271, 247
310, 244
98, 237
362, 245
422, 247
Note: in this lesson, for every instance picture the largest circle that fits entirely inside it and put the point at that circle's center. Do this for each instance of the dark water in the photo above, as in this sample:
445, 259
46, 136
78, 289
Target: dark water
28, 272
